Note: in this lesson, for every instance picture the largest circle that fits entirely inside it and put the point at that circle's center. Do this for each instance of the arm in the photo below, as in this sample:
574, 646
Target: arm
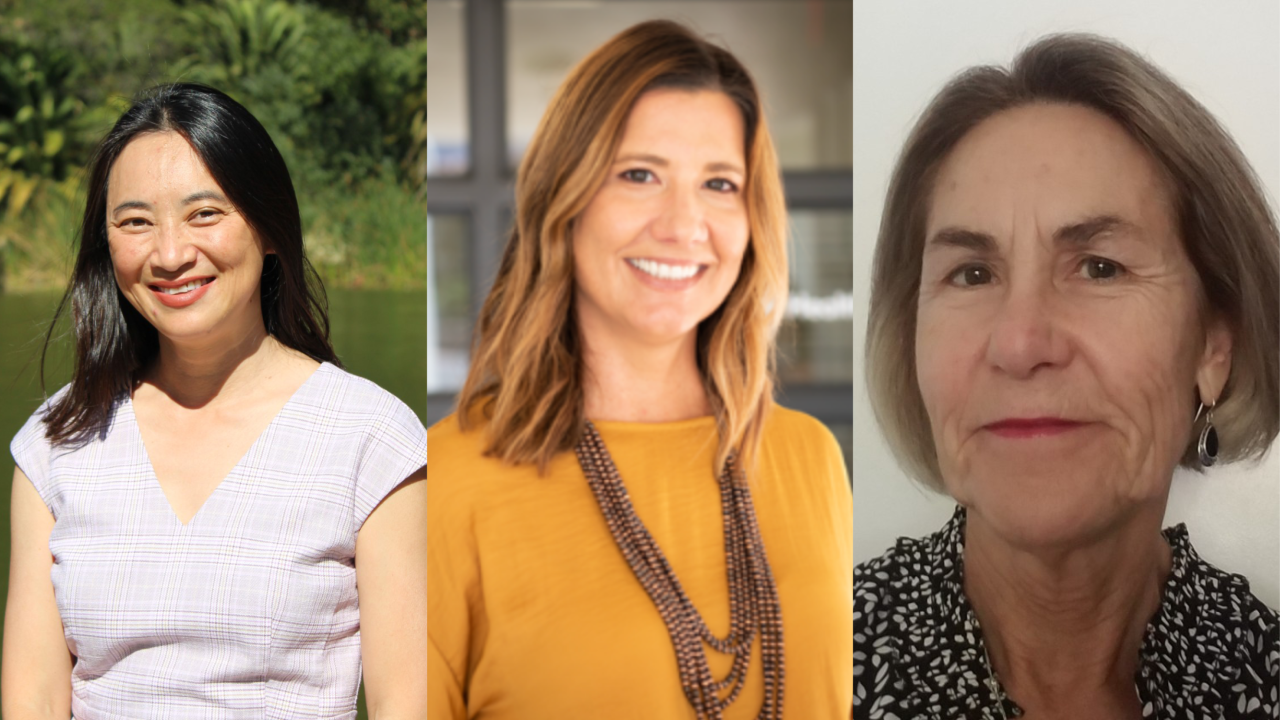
391, 578
35, 675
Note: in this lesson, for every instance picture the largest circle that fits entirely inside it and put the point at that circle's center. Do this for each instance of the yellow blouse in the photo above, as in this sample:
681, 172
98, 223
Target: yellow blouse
534, 613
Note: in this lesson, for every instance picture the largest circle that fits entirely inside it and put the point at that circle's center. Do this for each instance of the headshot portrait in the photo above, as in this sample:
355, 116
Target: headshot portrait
1066, 499
625, 516
216, 510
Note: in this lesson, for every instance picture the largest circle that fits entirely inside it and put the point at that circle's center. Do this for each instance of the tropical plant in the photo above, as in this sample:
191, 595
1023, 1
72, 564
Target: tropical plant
38, 122
240, 39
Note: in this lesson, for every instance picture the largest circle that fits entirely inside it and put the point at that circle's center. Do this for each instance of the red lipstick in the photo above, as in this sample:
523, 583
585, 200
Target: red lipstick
1021, 428
179, 300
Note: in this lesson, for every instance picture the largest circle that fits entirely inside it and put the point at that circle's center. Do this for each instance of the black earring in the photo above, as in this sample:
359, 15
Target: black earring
1208, 445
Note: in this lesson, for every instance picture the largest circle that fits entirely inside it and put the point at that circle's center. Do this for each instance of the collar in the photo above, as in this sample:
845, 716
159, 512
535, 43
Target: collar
1192, 653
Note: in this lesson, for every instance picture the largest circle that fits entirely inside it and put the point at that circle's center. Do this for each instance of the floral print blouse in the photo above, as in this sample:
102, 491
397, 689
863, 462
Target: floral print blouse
1212, 650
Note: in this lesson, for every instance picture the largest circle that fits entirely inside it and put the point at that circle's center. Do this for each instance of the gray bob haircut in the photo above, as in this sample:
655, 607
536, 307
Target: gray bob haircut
1222, 214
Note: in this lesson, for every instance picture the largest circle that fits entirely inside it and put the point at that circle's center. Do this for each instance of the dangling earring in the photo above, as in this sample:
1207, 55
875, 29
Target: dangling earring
1208, 445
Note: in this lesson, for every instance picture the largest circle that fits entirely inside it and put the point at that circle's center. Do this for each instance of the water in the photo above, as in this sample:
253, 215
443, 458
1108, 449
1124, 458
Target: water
378, 334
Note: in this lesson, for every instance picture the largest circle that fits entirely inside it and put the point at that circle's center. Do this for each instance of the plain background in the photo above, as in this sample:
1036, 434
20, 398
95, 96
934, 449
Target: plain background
1227, 55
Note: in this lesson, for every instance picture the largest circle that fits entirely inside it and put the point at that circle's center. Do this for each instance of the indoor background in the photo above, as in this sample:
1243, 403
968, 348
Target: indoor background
493, 66
1224, 54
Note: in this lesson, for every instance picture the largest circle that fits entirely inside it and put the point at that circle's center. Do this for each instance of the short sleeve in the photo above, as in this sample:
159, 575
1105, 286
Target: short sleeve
33, 453
395, 447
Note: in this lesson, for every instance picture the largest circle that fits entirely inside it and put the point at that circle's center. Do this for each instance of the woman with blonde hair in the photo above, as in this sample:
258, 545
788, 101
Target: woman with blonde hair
616, 453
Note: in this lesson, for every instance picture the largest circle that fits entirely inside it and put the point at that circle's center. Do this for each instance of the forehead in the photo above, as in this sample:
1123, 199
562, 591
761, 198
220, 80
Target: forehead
706, 120
1048, 164
155, 163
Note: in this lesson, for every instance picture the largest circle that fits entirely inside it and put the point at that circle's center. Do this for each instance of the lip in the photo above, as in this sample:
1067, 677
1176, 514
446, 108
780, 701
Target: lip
666, 284
1024, 428
183, 300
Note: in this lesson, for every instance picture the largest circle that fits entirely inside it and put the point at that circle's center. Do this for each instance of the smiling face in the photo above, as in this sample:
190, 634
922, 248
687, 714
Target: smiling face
1060, 338
659, 246
183, 255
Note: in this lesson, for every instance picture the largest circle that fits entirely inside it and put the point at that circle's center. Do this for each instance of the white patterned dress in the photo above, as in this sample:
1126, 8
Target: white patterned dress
1212, 651
250, 609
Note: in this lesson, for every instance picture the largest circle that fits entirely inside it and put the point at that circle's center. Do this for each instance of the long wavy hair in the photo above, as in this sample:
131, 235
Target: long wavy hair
114, 343
527, 371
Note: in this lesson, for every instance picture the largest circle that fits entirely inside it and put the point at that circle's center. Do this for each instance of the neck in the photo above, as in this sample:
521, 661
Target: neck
1067, 625
194, 373
633, 382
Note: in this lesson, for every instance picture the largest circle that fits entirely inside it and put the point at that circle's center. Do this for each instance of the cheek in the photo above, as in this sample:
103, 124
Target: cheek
127, 258
946, 348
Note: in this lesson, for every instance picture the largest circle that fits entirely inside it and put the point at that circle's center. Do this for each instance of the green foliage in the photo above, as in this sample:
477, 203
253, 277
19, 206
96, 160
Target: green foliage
38, 115
375, 239
241, 39
339, 84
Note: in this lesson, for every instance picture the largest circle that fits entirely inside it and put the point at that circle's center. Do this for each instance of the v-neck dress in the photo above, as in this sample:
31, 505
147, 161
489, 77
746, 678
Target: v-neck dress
249, 610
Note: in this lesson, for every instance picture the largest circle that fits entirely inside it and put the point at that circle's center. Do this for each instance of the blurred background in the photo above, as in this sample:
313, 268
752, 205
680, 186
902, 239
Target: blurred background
339, 84
492, 67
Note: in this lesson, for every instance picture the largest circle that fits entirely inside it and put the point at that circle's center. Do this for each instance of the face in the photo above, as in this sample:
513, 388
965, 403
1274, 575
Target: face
1060, 344
184, 256
659, 246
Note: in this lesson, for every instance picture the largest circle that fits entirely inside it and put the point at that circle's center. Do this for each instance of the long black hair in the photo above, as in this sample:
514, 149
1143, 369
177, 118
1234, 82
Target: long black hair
114, 343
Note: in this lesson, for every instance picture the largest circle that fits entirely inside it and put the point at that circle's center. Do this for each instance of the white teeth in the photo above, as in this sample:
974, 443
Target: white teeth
184, 288
664, 272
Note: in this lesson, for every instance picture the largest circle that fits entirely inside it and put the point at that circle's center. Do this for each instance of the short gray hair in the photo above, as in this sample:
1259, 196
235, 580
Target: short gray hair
1224, 220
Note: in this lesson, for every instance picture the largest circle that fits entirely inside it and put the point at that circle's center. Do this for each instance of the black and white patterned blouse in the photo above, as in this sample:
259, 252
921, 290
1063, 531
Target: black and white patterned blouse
1212, 651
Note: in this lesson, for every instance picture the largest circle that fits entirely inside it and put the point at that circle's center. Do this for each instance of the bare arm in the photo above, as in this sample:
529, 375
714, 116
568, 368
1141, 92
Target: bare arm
391, 578
35, 675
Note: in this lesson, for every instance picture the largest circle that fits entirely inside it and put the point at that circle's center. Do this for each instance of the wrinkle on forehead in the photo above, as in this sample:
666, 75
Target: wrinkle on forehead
1038, 167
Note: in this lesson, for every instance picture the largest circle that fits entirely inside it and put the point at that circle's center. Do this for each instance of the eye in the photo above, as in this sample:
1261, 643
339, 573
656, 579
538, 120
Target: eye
133, 223
206, 216
637, 175
1096, 268
970, 276
722, 185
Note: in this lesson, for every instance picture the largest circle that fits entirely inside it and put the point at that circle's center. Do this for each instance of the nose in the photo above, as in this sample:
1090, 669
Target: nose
682, 217
1025, 334
173, 250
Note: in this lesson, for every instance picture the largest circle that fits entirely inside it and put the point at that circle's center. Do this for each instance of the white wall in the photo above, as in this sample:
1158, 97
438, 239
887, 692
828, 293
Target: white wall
1226, 54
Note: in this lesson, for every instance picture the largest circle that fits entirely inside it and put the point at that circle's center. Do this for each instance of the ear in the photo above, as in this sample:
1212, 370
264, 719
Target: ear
1215, 363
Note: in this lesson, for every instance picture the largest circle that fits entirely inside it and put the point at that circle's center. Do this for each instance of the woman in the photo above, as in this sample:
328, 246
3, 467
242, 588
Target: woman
192, 514
616, 451
1075, 292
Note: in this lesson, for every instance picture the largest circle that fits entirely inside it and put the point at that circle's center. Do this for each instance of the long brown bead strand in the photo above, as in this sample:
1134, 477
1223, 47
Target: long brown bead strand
753, 596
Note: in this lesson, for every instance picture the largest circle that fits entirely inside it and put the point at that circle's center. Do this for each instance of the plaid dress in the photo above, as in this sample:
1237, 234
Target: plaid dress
249, 610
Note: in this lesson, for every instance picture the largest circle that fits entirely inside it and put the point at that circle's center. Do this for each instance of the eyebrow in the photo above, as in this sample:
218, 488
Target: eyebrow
663, 162
193, 197
1077, 233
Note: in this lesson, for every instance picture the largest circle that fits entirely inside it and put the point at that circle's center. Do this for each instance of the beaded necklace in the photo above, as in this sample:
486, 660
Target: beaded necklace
753, 596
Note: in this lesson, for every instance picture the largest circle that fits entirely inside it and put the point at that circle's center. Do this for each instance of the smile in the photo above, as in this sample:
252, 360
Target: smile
180, 296
183, 289
663, 271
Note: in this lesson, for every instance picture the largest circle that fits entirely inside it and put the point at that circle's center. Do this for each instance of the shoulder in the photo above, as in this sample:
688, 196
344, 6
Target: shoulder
32, 432
343, 400
359, 395
902, 573
919, 582
1213, 615
794, 435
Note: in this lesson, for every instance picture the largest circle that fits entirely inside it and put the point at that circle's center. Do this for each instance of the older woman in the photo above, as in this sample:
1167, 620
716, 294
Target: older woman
616, 454
213, 519
1075, 293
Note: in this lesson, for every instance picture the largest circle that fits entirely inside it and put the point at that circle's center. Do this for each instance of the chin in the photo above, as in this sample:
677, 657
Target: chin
1046, 510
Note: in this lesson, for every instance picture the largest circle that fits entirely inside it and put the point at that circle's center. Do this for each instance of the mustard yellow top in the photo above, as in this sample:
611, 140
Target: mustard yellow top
533, 613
